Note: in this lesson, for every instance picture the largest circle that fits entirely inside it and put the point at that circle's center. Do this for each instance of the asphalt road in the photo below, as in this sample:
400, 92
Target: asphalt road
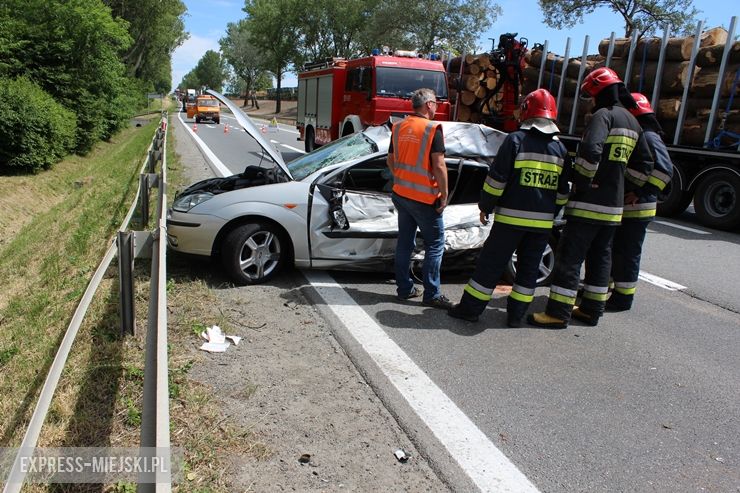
647, 401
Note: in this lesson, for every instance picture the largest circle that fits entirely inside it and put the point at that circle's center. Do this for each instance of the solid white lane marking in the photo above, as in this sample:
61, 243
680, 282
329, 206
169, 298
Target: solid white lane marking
660, 282
485, 464
215, 161
685, 228
289, 147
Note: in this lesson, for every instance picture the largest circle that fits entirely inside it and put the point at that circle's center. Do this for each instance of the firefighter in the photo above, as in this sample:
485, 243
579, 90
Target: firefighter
612, 149
639, 209
526, 186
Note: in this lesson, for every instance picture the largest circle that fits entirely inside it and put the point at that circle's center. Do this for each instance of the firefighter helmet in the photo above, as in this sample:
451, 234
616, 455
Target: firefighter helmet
539, 104
597, 80
643, 105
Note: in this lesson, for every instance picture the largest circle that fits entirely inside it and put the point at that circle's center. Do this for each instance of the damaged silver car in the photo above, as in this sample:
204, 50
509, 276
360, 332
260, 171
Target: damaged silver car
330, 208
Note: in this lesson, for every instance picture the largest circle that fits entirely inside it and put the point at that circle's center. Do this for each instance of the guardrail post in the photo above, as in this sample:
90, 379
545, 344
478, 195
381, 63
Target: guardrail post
144, 210
126, 281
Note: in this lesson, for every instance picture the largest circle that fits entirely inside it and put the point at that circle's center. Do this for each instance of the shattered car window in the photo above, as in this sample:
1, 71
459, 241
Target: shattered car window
344, 149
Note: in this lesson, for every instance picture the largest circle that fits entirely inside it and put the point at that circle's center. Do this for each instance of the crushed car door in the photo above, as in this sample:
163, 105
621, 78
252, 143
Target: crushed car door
352, 217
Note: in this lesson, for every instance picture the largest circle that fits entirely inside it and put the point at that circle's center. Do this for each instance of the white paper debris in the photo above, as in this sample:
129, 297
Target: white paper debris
217, 342
215, 347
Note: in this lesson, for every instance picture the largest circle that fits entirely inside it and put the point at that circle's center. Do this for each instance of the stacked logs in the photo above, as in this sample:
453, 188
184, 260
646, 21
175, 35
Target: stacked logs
472, 82
643, 76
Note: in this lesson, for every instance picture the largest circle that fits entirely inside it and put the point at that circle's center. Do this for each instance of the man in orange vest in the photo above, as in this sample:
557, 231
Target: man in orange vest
416, 159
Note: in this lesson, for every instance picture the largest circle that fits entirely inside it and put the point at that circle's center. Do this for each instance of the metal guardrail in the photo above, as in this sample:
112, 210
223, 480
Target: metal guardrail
129, 245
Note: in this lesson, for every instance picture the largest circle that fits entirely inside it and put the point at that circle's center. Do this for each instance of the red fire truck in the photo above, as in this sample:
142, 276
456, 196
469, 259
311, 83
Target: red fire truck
339, 97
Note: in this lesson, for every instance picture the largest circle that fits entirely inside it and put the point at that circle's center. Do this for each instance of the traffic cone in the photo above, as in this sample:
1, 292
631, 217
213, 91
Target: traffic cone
263, 129
195, 127
226, 128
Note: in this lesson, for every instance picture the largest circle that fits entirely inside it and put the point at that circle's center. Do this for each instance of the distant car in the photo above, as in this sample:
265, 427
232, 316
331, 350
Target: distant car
330, 208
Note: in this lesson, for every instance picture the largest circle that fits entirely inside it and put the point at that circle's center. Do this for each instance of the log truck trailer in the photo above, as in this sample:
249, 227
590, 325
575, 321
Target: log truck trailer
709, 174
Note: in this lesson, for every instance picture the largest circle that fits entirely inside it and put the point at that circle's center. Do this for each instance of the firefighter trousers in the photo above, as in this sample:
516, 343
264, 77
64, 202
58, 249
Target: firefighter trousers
492, 262
627, 250
581, 241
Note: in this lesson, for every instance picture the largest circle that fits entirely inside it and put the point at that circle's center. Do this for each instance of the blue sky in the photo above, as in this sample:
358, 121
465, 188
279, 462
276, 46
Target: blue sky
207, 19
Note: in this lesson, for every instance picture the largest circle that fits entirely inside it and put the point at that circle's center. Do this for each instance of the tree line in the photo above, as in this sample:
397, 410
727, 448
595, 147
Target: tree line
276, 36
73, 72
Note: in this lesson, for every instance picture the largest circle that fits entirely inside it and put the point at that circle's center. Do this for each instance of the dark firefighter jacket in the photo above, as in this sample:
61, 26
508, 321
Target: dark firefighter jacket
613, 149
528, 182
644, 209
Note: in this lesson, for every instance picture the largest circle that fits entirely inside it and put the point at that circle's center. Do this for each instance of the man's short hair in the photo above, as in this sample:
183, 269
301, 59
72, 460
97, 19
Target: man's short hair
422, 96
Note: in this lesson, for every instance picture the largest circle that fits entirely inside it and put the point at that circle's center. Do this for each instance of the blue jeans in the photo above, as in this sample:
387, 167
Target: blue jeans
413, 215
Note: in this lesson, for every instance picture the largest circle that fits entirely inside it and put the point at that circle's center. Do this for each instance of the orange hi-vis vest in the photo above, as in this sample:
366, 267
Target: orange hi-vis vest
412, 169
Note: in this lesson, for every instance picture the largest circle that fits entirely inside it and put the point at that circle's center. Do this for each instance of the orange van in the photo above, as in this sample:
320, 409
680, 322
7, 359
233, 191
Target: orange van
206, 108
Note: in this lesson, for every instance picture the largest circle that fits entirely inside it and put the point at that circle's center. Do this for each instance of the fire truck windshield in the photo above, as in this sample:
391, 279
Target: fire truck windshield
401, 83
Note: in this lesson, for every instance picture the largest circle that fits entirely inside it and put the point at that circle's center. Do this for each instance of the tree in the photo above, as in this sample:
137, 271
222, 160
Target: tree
643, 15
211, 71
156, 28
243, 56
273, 27
432, 25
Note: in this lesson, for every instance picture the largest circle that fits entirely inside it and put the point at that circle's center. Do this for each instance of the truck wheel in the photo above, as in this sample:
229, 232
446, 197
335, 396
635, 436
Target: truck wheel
717, 200
310, 141
348, 129
673, 200
253, 253
217, 121
197, 120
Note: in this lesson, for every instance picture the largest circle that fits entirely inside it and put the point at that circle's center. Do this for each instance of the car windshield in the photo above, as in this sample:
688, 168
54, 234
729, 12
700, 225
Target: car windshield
207, 102
344, 149
396, 82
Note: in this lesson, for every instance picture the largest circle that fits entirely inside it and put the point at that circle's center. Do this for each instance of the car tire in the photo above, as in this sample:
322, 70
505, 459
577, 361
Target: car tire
717, 200
254, 253
547, 265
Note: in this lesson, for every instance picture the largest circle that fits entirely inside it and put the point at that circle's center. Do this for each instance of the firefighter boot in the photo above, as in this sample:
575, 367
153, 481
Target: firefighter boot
618, 302
542, 319
458, 312
584, 317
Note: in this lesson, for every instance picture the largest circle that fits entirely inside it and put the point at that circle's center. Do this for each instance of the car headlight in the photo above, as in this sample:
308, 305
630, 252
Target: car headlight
187, 202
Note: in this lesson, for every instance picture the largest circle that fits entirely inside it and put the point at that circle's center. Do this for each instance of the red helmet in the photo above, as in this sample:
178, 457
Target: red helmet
597, 80
539, 104
643, 105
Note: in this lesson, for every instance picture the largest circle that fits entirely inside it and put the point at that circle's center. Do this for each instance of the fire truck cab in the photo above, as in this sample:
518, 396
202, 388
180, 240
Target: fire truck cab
339, 97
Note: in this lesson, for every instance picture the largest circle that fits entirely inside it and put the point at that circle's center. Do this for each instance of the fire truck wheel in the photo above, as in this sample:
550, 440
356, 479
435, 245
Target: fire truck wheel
348, 129
717, 200
310, 141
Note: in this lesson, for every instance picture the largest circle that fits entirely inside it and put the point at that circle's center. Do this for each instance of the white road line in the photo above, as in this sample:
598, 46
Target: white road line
685, 228
216, 162
660, 282
289, 147
485, 464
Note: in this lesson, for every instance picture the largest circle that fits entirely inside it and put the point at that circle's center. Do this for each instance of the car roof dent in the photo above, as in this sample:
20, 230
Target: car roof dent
247, 124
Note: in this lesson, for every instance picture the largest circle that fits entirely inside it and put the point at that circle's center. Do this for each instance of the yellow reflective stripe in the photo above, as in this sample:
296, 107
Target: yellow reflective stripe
562, 299
583, 171
599, 216
496, 192
524, 298
518, 221
642, 213
562, 201
625, 290
595, 296
621, 139
477, 294
653, 180
538, 165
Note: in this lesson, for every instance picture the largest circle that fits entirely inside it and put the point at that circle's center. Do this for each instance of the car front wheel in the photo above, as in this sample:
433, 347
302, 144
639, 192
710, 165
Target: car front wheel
253, 253
547, 264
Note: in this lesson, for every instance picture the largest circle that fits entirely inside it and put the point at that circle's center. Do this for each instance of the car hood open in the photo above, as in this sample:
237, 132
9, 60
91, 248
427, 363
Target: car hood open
246, 123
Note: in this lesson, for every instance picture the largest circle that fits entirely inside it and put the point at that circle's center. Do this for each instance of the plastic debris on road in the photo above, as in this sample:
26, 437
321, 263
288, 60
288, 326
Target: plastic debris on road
401, 455
216, 340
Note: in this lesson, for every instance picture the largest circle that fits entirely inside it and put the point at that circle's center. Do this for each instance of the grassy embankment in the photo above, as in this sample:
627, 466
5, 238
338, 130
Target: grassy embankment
54, 230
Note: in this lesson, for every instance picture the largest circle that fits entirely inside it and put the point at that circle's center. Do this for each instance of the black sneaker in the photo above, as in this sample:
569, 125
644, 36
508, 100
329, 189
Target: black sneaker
415, 293
439, 302
456, 312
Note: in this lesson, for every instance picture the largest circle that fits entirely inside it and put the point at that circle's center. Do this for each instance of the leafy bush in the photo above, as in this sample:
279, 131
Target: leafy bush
35, 130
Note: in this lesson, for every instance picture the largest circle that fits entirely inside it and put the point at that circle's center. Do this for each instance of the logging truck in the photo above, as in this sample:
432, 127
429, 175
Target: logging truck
693, 84
338, 97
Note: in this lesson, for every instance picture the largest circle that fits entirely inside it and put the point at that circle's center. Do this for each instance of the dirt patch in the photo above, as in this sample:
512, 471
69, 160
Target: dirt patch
291, 386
